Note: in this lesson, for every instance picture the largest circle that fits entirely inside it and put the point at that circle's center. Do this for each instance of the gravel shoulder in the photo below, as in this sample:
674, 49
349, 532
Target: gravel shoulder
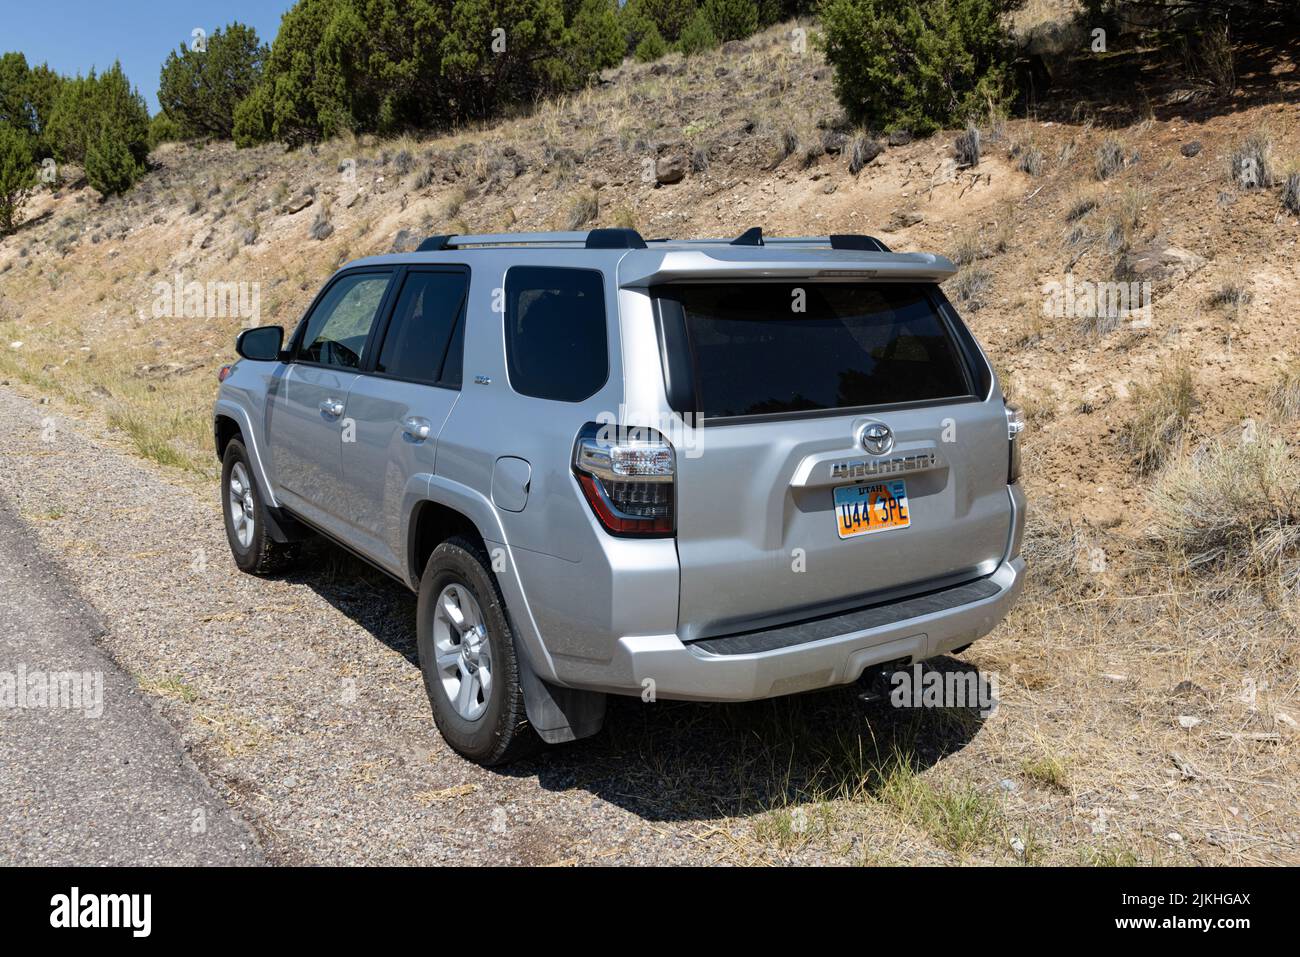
299, 697
100, 778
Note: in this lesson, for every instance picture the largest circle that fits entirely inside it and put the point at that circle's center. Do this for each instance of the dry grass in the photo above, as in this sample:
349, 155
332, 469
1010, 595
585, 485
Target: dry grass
1252, 163
1234, 507
1110, 158
1163, 411
1284, 397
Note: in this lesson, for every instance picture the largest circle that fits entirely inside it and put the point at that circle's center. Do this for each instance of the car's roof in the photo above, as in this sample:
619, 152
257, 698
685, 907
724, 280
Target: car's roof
640, 262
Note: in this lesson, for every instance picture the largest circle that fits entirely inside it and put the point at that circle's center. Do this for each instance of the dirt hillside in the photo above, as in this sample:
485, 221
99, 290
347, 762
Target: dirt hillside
1129, 176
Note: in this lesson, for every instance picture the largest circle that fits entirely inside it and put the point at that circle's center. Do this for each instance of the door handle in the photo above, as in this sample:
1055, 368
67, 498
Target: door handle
416, 428
332, 407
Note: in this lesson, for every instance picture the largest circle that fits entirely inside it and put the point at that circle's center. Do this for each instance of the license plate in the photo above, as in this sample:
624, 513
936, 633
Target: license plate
863, 509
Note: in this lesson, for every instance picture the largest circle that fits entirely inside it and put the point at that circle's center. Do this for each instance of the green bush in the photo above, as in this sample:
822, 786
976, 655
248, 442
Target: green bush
27, 98
17, 174
199, 89
594, 39
652, 45
669, 17
388, 65
90, 108
254, 118
900, 64
110, 167
697, 36
163, 130
731, 19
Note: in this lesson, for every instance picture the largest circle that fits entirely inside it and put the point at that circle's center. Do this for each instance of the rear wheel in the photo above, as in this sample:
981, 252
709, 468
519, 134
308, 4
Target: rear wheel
247, 524
467, 655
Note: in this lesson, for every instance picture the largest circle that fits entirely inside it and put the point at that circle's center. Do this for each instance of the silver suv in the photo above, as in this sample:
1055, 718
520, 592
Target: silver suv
709, 470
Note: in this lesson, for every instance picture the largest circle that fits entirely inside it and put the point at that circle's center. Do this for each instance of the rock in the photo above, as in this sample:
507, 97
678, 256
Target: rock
721, 71
862, 153
297, 204
903, 218
833, 141
405, 241
1160, 261
1187, 721
1187, 689
1191, 149
1184, 766
733, 47
1007, 784
1018, 846
670, 169
900, 138
659, 69
102, 392
828, 188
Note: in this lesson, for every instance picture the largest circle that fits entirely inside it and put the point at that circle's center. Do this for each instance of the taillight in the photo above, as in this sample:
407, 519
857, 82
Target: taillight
627, 477
1015, 425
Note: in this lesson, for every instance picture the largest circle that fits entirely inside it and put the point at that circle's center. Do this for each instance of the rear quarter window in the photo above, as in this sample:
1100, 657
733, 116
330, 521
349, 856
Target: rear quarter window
556, 341
772, 348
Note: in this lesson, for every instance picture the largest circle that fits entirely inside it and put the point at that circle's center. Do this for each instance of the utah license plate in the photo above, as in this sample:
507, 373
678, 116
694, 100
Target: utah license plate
875, 507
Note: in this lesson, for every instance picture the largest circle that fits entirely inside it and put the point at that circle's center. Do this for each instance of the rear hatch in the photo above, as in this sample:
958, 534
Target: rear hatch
851, 451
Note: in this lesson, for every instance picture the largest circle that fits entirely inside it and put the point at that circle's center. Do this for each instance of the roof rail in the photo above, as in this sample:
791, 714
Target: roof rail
854, 241
592, 239
631, 239
615, 239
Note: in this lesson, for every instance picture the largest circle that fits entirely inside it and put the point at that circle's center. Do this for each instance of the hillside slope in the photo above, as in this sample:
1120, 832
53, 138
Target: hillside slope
755, 134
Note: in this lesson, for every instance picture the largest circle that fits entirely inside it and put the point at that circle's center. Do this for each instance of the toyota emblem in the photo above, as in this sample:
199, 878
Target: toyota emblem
877, 438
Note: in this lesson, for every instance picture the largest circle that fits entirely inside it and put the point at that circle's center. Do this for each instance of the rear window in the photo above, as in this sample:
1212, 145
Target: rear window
556, 344
767, 348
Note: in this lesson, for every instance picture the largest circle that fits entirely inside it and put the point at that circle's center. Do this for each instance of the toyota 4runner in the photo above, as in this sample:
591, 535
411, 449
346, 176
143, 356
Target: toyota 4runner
708, 470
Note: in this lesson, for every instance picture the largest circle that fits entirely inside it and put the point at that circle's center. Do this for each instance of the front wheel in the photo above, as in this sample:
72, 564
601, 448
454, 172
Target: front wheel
467, 656
247, 524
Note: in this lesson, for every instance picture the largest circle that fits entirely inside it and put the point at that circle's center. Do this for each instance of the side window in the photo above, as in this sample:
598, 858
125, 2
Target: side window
556, 343
337, 328
423, 326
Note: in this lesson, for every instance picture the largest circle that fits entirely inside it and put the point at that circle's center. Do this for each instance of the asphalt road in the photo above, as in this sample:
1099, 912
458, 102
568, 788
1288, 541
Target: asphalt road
94, 776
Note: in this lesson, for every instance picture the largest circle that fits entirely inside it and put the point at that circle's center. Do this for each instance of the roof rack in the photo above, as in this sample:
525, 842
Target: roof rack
592, 239
631, 239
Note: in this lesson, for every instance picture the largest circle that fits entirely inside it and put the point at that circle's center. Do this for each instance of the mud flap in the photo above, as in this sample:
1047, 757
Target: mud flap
284, 528
559, 714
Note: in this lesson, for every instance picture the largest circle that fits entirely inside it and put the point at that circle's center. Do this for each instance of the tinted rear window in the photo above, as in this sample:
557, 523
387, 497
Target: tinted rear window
765, 348
556, 344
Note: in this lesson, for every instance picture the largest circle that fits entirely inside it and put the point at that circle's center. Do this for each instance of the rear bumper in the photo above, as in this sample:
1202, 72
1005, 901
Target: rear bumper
820, 654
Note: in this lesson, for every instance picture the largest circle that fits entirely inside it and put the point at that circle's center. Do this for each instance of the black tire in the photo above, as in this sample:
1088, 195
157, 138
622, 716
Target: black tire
500, 734
262, 555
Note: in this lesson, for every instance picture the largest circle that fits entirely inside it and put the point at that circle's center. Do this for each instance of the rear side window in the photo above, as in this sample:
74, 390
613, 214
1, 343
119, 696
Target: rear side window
768, 348
556, 343
417, 344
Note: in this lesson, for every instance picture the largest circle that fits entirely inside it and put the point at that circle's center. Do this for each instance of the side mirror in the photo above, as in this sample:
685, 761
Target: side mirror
261, 344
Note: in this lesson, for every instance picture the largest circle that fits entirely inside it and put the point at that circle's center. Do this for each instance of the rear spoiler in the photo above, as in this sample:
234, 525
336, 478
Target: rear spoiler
801, 260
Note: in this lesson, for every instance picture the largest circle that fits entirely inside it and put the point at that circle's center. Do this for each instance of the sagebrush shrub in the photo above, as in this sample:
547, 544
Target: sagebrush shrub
903, 65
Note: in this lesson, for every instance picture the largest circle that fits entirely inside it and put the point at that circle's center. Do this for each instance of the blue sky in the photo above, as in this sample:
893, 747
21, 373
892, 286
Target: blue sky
75, 35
